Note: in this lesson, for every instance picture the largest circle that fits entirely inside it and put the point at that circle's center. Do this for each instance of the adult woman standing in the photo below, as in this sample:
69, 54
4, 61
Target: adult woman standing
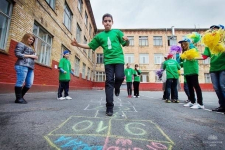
24, 66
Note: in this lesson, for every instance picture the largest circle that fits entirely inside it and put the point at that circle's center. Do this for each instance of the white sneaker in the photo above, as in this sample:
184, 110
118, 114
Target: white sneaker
134, 96
189, 104
197, 106
138, 96
68, 98
61, 98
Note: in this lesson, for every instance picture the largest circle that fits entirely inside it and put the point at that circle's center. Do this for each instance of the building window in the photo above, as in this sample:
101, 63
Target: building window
90, 29
131, 40
85, 42
89, 54
172, 40
143, 41
207, 78
100, 59
86, 19
88, 74
77, 66
144, 58
43, 44
158, 59
100, 76
5, 17
78, 35
62, 50
67, 17
83, 70
157, 40
51, 3
206, 61
92, 75
129, 58
144, 77
80, 6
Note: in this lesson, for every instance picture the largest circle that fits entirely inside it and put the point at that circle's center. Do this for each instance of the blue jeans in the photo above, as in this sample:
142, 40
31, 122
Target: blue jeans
171, 86
218, 81
24, 74
114, 78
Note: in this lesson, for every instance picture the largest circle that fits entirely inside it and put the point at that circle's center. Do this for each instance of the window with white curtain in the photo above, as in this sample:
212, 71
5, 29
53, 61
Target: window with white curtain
77, 66
144, 58
143, 41
158, 58
131, 40
172, 40
80, 6
129, 58
67, 20
157, 40
78, 34
84, 71
51, 3
5, 18
99, 76
207, 78
100, 59
88, 73
43, 44
86, 19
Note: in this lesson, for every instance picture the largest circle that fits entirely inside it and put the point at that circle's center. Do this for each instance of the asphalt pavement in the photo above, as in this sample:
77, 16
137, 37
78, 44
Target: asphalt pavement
144, 123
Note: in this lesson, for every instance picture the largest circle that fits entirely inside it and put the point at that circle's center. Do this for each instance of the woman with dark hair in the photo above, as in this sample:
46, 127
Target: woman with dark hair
136, 82
24, 66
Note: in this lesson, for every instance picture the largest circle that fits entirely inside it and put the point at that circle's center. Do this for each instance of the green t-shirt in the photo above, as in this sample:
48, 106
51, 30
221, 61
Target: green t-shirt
190, 67
66, 66
217, 62
137, 77
172, 68
129, 72
111, 42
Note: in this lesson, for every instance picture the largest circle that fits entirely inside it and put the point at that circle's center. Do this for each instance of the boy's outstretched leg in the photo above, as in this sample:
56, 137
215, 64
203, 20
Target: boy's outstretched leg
119, 77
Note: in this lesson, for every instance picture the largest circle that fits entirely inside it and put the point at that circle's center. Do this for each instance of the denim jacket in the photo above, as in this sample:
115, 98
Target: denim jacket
20, 51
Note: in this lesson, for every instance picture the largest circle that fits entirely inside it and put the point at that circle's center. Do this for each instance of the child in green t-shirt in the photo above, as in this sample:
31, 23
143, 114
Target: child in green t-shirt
137, 73
129, 75
110, 40
64, 76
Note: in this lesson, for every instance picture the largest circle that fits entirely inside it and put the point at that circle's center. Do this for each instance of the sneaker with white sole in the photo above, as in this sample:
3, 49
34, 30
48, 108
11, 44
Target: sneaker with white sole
197, 106
68, 98
60, 98
189, 104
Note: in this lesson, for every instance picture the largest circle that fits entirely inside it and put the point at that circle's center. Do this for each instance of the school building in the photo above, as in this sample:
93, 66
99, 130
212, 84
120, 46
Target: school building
56, 22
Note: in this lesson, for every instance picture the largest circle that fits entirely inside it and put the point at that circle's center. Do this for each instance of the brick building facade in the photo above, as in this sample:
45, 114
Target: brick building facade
55, 23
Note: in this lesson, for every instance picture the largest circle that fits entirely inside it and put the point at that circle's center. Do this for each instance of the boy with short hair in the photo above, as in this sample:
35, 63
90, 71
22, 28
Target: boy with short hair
129, 72
64, 76
110, 40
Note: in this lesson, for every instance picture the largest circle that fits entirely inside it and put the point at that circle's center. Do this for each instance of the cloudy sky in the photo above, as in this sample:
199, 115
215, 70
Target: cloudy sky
160, 13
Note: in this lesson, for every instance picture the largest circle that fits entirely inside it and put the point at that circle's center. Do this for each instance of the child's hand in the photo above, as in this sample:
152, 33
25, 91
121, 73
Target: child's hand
64, 72
125, 38
74, 42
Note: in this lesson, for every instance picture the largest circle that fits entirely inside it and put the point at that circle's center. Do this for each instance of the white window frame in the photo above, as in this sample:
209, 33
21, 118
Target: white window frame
45, 42
129, 58
172, 40
67, 19
99, 76
144, 58
77, 67
80, 6
78, 34
51, 3
6, 24
158, 58
83, 71
207, 78
157, 41
131, 40
143, 40
88, 74
100, 58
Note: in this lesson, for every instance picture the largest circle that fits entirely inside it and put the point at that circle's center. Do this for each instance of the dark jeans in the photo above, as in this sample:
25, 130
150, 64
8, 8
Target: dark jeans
114, 78
193, 84
136, 88
129, 88
171, 84
186, 90
63, 85
218, 81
